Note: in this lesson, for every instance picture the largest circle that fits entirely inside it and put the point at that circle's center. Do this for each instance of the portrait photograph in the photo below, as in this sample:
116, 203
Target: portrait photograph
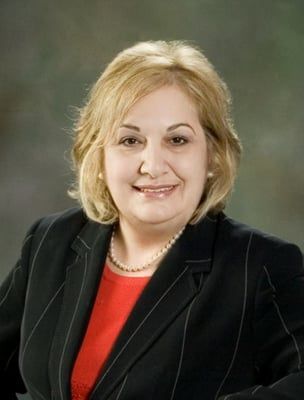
151, 208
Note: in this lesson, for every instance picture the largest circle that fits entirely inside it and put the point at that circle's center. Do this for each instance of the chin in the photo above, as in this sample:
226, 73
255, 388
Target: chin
157, 219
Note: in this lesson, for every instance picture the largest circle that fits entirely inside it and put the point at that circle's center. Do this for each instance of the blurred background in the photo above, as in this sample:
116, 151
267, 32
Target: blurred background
52, 52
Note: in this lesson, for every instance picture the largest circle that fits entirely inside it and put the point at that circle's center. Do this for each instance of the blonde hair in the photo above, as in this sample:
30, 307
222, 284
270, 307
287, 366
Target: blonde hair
134, 73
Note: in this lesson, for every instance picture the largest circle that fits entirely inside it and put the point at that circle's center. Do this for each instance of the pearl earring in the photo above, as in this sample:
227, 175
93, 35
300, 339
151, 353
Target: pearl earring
100, 176
210, 175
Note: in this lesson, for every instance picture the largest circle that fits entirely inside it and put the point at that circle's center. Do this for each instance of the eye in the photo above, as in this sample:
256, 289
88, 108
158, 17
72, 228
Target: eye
129, 141
178, 140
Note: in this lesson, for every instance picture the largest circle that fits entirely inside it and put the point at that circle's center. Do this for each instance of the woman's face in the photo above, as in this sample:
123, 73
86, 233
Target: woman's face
157, 168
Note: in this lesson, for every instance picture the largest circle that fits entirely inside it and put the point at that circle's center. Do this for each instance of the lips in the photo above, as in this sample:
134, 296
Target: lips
160, 191
155, 189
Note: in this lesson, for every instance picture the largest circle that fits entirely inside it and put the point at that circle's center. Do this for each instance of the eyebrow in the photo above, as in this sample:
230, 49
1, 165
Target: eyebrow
169, 129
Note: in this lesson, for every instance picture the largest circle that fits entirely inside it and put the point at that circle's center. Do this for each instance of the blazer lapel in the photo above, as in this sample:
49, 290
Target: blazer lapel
172, 287
81, 285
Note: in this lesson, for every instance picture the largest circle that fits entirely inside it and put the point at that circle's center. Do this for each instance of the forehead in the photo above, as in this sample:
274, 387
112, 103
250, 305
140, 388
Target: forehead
168, 104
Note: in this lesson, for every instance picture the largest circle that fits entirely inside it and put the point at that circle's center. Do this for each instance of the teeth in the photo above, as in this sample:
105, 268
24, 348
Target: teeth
146, 190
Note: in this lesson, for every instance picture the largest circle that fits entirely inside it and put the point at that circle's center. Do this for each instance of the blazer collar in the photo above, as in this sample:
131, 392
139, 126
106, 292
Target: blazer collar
178, 279
195, 243
91, 235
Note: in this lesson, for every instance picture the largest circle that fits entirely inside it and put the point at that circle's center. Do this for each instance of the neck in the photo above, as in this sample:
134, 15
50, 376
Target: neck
134, 245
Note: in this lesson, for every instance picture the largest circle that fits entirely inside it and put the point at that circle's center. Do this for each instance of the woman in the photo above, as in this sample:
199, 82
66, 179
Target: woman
149, 291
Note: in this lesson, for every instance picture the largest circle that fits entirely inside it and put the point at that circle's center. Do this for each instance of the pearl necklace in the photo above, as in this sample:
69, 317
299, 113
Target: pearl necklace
136, 268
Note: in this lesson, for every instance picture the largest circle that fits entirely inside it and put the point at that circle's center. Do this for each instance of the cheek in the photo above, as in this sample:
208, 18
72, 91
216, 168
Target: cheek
193, 167
194, 174
118, 170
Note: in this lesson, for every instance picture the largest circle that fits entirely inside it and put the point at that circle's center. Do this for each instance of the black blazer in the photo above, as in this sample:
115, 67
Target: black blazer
222, 315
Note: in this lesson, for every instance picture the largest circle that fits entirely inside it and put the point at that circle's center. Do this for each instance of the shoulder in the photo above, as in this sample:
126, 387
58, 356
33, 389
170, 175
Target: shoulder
57, 228
262, 249
71, 216
237, 230
64, 223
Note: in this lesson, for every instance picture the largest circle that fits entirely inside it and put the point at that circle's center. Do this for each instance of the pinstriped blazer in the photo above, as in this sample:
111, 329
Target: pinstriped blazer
221, 318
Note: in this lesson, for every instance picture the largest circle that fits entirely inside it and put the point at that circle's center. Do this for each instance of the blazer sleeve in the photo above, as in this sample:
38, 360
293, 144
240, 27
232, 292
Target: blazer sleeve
12, 300
278, 326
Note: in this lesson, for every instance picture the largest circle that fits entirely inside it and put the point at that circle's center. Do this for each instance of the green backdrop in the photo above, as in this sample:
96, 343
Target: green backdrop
52, 51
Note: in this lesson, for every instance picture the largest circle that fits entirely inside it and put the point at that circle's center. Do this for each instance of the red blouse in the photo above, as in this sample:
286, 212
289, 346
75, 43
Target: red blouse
115, 299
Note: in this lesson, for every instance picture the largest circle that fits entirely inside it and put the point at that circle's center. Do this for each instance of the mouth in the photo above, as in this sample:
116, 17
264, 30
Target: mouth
155, 191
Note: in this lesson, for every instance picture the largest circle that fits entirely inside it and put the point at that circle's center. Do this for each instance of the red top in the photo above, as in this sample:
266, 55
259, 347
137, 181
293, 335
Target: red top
116, 296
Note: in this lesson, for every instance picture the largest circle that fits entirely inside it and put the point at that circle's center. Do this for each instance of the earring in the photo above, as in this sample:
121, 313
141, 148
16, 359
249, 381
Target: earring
100, 176
210, 175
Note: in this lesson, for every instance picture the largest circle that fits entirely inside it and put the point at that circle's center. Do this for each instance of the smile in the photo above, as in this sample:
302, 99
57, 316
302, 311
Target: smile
155, 192
163, 189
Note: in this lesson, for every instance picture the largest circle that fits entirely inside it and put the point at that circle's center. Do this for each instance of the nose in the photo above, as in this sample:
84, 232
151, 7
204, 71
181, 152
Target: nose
153, 161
